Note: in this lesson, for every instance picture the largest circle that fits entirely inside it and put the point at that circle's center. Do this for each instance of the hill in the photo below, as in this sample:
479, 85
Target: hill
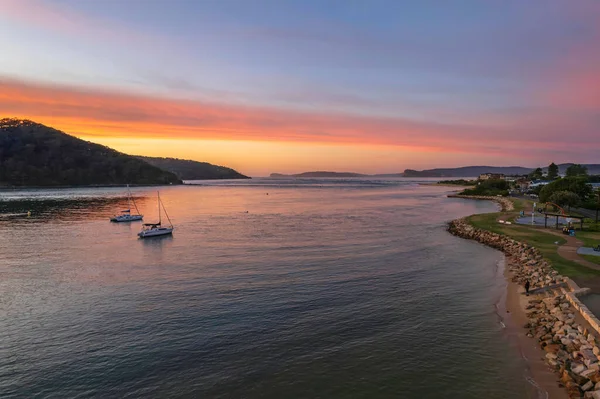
467, 171
474, 171
32, 154
192, 170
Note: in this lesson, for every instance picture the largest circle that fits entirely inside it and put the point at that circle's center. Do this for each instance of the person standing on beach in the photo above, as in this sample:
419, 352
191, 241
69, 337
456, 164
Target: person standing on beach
527, 287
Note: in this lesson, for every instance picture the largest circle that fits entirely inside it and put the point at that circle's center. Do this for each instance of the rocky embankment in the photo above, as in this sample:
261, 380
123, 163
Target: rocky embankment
570, 349
504, 203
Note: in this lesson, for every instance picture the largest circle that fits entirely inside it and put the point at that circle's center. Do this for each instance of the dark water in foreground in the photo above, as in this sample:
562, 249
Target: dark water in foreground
330, 289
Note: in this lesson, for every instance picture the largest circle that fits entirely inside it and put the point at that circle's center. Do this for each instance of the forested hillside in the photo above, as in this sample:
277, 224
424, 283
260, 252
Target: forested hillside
32, 154
193, 170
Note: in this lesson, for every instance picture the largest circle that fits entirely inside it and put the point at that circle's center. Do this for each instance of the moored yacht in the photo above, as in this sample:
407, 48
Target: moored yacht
156, 229
126, 215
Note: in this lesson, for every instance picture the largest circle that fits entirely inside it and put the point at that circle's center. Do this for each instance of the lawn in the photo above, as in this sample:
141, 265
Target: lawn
547, 243
592, 258
589, 238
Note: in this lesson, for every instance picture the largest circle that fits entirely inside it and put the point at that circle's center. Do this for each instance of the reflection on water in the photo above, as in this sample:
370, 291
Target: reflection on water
41, 210
328, 289
592, 301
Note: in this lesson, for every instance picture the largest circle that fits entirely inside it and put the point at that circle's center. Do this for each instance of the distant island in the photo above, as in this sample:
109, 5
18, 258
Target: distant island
319, 174
193, 170
333, 174
465, 171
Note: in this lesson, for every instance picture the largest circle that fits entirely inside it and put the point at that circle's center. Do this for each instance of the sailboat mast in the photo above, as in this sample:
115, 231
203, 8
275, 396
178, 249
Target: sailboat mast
159, 219
128, 198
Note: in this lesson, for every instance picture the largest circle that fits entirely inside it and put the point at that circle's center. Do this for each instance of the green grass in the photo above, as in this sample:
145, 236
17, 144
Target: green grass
545, 242
487, 221
522, 204
589, 238
592, 258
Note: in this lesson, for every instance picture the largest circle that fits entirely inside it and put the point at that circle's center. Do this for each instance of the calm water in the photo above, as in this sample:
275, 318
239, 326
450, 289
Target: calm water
271, 289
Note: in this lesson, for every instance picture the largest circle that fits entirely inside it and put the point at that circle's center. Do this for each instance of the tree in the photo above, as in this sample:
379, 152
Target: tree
576, 170
489, 187
577, 185
552, 171
37, 155
536, 174
565, 198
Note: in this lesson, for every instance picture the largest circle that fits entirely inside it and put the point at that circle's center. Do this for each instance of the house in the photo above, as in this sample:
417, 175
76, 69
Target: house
523, 184
491, 176
537, 183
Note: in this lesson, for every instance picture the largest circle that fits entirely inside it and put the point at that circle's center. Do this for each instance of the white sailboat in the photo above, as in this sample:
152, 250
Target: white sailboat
126, 215
156, 229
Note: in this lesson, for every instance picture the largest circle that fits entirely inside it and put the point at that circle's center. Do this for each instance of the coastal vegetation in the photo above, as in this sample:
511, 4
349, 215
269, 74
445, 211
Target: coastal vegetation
488, 187
536, 174
575, 185
193, 170
552, 171
459, 182
576, 170
32, 154
565, 198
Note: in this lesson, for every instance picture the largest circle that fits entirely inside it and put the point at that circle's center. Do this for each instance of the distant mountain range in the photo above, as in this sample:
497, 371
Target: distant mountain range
465, 171
474, 171
192, 170
332, 174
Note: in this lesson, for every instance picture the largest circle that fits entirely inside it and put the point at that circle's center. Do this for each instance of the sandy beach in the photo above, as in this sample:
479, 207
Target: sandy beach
554, 333
543, 380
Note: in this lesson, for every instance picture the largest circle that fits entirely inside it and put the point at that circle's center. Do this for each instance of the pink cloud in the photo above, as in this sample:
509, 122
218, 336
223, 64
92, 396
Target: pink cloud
66, 21
536, 135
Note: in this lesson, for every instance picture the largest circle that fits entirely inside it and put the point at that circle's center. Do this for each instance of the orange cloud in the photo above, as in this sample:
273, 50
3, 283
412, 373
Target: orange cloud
102, 113
105, 116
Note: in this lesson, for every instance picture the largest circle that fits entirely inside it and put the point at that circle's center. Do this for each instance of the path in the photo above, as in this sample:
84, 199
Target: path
569, 250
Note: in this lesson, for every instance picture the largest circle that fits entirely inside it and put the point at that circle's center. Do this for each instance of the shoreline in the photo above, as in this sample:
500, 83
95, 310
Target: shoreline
540, 377
18, 188
550, 334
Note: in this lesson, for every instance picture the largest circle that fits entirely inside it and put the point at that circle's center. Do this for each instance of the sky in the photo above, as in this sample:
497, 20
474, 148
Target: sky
291, 86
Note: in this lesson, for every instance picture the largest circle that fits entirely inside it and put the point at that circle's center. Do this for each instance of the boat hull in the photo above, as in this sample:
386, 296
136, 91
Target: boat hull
126, 218
163, 231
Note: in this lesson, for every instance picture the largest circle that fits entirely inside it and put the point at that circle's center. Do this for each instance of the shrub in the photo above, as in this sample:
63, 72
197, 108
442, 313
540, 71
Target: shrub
577, 185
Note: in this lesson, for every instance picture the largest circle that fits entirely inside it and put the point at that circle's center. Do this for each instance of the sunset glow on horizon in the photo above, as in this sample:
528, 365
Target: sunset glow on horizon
288, 87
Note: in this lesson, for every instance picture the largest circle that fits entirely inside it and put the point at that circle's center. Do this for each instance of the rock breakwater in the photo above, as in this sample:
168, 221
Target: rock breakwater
570, 349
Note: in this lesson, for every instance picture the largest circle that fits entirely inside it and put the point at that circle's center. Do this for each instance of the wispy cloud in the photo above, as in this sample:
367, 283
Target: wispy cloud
111, 114
61, 19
